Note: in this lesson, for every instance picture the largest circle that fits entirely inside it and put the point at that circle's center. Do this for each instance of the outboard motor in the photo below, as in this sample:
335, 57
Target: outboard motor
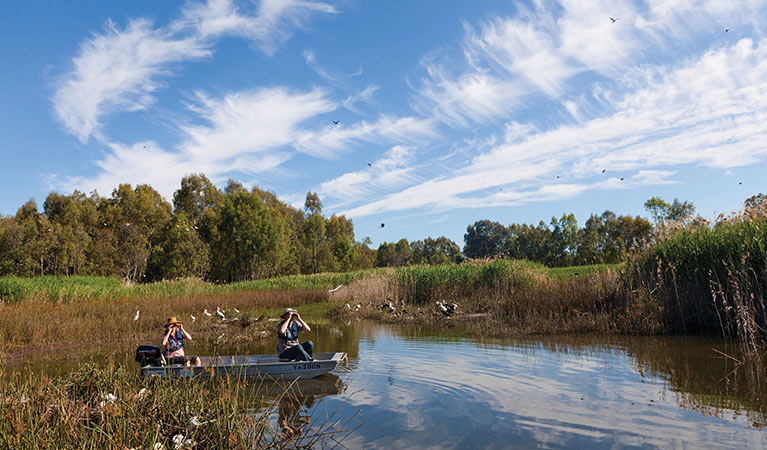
149, 355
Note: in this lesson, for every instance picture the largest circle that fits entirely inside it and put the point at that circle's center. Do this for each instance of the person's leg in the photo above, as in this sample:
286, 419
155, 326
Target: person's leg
296, 352
308, 349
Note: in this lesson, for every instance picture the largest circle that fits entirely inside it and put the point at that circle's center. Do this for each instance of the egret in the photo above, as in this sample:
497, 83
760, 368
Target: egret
192, 317
220, 314
236, 310
336, 288
207, 313
138, 312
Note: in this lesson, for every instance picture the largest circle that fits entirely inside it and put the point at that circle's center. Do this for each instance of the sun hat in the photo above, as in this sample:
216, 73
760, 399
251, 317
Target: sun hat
171, 321
287, 310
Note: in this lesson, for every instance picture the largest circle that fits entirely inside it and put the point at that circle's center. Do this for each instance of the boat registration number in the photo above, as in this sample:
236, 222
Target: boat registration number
306, 366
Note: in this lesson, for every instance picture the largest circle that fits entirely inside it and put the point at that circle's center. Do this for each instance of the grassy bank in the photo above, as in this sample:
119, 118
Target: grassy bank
107, 408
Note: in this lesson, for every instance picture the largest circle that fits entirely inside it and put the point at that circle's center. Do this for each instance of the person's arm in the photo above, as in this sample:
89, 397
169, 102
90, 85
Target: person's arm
284, 326
184, 333
165, 337
301, 322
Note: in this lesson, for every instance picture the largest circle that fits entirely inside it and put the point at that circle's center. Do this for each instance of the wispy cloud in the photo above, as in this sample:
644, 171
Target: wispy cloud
392, 171
121, 69
334, 139
710, 111
267, 26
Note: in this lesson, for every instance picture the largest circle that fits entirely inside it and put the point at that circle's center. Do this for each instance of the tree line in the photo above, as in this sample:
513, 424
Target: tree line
236, 234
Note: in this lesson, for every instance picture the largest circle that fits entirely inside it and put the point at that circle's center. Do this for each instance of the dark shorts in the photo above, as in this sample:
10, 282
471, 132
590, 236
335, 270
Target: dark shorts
181, 360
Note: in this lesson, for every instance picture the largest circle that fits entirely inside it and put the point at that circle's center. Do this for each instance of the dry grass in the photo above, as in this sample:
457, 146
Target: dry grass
30, 326
524, 301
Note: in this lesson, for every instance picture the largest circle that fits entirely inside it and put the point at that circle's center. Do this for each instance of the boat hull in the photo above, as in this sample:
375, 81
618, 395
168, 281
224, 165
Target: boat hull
250, 366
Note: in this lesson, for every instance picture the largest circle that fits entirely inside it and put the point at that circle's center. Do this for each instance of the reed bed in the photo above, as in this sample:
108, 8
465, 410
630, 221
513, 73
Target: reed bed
501, 298
708, 279
108, 408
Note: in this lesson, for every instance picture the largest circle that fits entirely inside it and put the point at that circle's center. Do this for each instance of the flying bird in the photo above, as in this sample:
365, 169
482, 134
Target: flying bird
382, 225
740, 182
336, 122
557, 176
726, 30
370, 165
138, 312
615, 20
621, 178
207, 313
603, 170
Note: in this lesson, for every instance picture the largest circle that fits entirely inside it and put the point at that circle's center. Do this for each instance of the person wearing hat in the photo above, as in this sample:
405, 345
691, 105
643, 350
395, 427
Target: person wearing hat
287, 337
173, 343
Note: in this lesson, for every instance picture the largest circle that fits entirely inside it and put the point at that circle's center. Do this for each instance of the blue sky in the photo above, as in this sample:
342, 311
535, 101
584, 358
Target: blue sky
449, 112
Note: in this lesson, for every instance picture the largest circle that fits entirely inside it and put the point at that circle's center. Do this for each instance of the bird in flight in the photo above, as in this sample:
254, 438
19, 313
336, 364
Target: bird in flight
615, 20
603, 170
336, 122
621, 178
726, 30
370, 165
382, 225
740, 182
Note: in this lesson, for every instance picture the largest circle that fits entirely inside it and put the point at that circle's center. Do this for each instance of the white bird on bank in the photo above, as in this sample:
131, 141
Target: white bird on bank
336, 288
192, 317
207, 313
219, 313
138, 312
236, 310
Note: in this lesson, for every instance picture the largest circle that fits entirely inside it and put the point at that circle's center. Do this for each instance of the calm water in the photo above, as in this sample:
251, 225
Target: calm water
417, 388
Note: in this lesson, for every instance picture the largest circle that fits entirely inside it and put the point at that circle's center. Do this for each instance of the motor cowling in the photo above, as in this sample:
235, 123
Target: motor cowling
149, 355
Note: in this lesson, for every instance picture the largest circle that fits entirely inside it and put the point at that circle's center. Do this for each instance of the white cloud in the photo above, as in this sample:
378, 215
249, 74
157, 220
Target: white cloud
710, 111
251, 121
337, 138
542, 50
391, 171
120, 70
268, 26
364, 96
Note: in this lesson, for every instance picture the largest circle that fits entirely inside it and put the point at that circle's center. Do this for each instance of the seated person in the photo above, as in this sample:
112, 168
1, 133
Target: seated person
173, 343
287, 337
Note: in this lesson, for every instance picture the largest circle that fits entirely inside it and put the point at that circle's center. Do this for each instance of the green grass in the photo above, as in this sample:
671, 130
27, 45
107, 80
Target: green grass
64, 289
423, 278
575, 271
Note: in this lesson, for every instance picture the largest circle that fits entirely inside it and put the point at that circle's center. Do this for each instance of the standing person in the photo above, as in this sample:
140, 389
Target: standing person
173, 343
287, 337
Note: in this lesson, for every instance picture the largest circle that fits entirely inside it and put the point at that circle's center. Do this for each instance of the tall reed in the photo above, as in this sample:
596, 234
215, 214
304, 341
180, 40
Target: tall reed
708, 279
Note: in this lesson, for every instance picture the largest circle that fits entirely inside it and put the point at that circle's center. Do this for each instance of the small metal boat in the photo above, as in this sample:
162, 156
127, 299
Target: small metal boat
262, 366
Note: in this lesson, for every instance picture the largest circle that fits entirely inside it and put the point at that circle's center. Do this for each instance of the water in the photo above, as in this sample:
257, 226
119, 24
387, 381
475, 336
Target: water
416, 389
408, 387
